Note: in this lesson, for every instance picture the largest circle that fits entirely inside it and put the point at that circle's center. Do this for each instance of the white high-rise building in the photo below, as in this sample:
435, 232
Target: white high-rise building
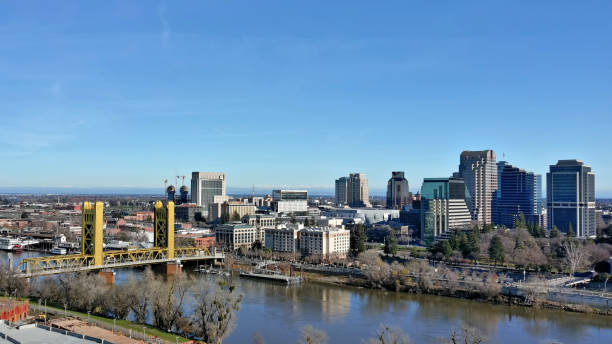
479, 172
205, 186
358, 192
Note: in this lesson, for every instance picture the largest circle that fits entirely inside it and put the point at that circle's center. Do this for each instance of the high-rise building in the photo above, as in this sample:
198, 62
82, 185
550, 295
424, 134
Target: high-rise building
570, 197
479, 171
205, 186
289, 195
443, 207
358, 193
519, 192
398, 195
341, 191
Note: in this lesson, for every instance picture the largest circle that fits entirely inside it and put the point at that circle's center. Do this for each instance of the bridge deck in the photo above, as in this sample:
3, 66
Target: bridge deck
50, 265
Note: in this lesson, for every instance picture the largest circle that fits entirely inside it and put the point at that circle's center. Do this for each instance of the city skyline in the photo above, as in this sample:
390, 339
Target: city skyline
92, 100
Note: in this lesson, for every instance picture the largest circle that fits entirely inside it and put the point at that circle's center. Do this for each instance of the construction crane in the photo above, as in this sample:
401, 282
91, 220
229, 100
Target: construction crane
183, 180
165, 185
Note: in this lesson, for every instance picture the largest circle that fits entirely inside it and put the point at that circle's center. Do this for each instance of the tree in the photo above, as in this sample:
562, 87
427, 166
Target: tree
214, 315
25, 215
168, 301
496, 250
225, 217
570, 230
358, 239
235, 216
257, 245
391, 246
574, 254
520, 221
554, 232
312, 335
389, 335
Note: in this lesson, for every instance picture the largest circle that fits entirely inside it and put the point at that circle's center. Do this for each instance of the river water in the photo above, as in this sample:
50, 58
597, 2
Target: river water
350, 315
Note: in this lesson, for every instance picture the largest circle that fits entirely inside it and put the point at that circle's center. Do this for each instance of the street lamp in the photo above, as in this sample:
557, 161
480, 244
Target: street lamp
144, 333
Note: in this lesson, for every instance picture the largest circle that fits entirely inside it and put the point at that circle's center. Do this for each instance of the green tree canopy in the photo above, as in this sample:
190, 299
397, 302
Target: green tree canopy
570, 230
554, 232
496, 250
391, 246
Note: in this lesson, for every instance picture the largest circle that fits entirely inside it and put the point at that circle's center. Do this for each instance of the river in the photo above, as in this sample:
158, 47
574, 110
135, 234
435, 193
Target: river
349, 315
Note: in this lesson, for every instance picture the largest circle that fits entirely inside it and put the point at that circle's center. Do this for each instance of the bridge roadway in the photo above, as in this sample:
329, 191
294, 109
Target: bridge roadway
50, 265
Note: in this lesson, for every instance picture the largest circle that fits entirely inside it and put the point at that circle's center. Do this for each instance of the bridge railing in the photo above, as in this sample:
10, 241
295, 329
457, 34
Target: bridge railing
78, 262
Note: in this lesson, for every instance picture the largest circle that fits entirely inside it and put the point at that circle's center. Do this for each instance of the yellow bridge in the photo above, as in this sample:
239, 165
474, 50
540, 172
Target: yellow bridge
93, 257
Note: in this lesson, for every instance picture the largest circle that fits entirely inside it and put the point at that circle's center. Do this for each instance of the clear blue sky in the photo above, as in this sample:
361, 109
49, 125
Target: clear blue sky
126, 93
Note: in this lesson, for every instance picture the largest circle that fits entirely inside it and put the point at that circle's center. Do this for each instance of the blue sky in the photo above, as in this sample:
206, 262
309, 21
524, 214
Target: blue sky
298, 93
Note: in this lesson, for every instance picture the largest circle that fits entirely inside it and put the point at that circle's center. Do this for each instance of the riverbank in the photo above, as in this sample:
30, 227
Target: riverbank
503, 298
128, 328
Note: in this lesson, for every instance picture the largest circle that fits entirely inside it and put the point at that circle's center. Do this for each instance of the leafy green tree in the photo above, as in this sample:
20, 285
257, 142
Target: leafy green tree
520, 221
470, 247
446, 249
391, 246
570, 230
257, 245
225, 218
496, 250
455, 240
235, 216
358, 239
24, 215
554, 232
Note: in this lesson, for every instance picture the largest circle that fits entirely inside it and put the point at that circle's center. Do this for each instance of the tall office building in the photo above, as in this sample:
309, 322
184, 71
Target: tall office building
358, 193
570, 197
290, 195
443, 207
398, 195
519, 192
205, 186
341, 191
479, 171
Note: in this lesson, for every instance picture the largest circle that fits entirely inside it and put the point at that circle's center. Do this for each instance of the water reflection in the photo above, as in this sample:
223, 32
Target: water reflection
351, 314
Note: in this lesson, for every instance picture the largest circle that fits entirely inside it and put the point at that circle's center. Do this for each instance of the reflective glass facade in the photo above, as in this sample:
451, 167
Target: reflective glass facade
570, 197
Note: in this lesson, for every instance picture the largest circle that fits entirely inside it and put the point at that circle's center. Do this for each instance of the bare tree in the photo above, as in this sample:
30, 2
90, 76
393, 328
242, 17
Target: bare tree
574, 254
168, 300
467, 335
312, 335
117, 301
142, 297
389, 335
215, 311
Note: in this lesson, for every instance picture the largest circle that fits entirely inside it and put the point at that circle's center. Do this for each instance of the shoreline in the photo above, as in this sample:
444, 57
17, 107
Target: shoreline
500, 299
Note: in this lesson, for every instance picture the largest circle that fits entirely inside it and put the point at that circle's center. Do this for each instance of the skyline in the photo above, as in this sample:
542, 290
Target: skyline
295, 96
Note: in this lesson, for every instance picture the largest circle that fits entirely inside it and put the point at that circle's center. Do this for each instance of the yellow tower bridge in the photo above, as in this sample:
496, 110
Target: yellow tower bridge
93, 257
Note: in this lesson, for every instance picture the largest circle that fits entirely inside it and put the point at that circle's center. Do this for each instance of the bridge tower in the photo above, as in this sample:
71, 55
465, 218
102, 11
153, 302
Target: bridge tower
92, 225
164, 226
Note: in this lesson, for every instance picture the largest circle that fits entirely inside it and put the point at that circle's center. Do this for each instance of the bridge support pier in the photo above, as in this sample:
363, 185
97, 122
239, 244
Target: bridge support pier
173, 268
107, 275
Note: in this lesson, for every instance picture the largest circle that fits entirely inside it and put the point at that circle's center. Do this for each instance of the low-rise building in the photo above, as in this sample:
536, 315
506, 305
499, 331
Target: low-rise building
207, 241
233, 236
260, 220
324, 241
188, 212
283, 238
290, 206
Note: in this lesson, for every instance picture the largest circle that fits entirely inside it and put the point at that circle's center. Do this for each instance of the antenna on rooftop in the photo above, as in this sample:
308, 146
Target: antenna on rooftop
165, 185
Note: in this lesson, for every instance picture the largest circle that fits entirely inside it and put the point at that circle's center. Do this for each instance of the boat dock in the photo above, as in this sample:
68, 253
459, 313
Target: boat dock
289, 280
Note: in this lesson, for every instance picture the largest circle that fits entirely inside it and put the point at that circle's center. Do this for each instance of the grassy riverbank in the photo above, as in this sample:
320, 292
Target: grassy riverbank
124, 325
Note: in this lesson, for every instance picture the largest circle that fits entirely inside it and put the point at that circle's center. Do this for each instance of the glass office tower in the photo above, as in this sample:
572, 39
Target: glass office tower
570, 197
443, 207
